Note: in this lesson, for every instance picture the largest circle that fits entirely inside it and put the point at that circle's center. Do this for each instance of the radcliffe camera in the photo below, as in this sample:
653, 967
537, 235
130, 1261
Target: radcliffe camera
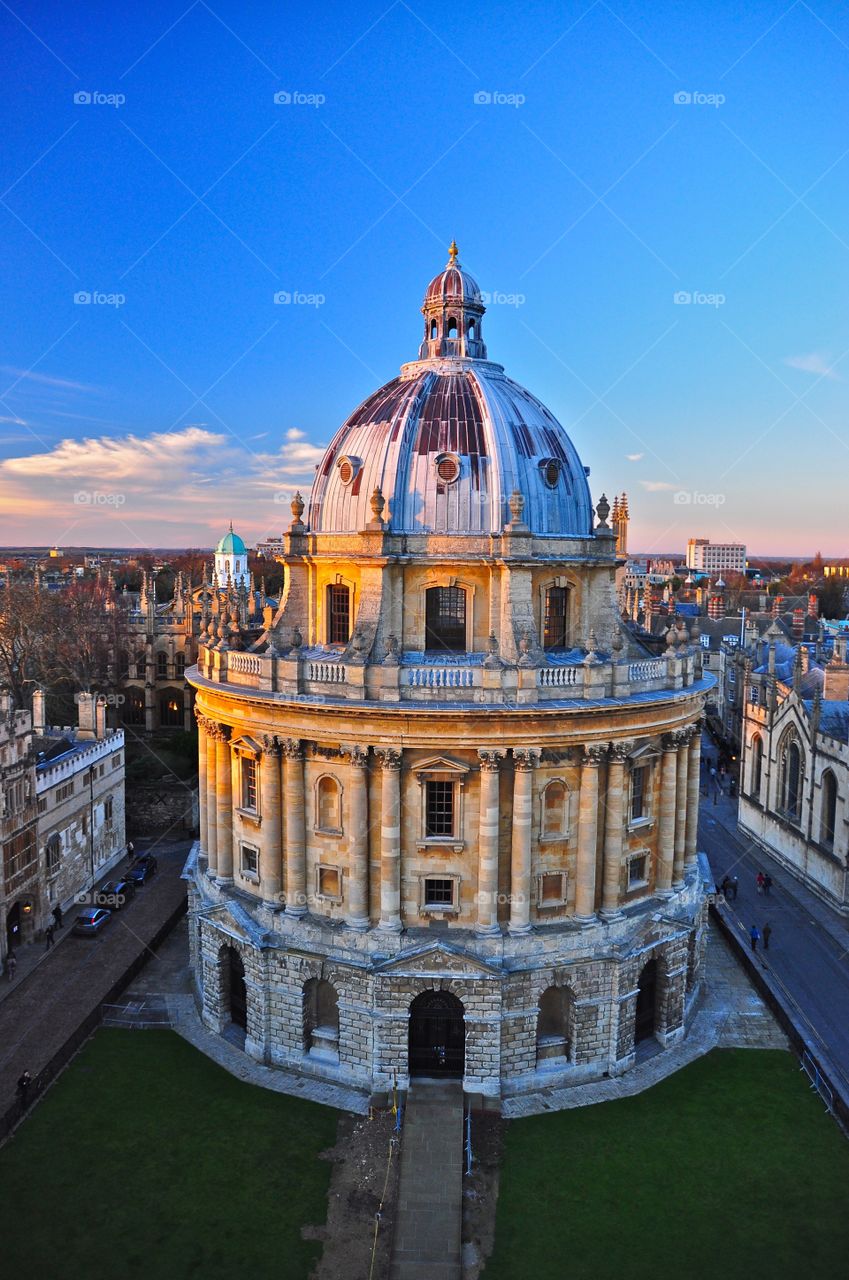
424, 642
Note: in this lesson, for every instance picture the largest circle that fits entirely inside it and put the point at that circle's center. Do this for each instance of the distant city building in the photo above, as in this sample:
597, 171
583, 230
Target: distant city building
704, 556
62, 826
836, 570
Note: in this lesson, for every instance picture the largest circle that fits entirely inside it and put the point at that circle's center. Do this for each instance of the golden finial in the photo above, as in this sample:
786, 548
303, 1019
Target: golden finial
452, 253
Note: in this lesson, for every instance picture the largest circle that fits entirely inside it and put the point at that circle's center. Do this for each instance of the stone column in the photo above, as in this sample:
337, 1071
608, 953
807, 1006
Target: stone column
224, 804
681, 774
666, 818
271, 856
487, 921
203, 812
390, 840
587, 835
614, 830
296, 829
206, 785
524, 761
358, 844
691, 837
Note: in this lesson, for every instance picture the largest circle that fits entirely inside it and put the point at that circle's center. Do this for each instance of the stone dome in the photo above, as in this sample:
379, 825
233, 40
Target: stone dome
450, 440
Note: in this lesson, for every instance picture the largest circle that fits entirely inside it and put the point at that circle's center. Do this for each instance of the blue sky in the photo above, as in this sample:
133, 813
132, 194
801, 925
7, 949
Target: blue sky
581, 192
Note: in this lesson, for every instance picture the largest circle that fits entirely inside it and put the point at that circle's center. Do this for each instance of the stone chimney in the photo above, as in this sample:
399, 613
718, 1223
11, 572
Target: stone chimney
716, 607
813, 605
100, 718
38, 722
798, 623
777, 602
85, 709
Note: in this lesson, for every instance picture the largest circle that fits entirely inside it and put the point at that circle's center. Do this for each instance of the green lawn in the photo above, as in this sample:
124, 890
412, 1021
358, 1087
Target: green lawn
147, 1159
729, 1168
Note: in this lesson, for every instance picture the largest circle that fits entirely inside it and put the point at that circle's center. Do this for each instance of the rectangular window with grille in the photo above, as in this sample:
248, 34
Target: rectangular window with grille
439, 815
338, 615
638, 793
249, 784
637, 871
554, 632
439, 893
250, 860
445, 620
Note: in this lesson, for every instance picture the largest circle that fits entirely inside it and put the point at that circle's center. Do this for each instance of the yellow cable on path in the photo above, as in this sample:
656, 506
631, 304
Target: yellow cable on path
392, 1142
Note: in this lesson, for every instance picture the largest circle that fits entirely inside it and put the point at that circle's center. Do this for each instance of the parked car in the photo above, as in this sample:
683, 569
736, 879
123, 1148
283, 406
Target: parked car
115, 894
91, 921
142, 869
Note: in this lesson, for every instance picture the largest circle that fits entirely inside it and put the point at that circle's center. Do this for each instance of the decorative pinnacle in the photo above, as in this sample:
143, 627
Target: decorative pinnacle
452, 253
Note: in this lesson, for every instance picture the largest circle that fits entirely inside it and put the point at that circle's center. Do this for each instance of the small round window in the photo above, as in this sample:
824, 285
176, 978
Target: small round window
551, 472
347, 468
448, 468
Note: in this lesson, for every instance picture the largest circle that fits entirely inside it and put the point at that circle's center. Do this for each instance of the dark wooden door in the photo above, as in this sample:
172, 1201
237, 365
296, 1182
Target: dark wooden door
437, 1035
646, 995
238, 992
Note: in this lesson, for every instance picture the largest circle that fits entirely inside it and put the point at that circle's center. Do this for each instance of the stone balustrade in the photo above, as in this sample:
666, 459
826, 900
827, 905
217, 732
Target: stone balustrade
417, 678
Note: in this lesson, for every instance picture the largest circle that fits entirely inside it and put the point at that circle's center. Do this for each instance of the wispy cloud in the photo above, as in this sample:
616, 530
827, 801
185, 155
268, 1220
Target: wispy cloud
658, 486
29, 375
635, 457
815, 363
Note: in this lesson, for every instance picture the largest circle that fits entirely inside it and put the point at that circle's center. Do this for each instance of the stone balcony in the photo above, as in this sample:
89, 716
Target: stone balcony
413, 677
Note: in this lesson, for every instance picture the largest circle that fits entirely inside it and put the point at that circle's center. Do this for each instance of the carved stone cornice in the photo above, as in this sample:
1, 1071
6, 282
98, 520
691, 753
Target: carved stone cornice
389, 757
526, 758
491, 760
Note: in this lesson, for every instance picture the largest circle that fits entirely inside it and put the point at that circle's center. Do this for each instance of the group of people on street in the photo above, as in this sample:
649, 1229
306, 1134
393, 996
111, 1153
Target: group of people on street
53, 927
763, 884
757, 935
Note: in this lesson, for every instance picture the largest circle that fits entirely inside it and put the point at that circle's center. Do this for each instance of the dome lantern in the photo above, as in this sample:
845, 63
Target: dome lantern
453, 309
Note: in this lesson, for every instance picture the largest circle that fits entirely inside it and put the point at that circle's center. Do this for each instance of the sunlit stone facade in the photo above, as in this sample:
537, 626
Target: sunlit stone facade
448, 803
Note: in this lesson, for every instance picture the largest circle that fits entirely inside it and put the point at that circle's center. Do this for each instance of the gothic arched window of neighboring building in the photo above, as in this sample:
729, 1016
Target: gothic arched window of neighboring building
162, 664
792, 780
445, 619
757, 764
828, 811
180, 664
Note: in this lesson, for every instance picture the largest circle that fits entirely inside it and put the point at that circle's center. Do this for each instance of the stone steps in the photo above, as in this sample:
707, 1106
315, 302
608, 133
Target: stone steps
428, 1222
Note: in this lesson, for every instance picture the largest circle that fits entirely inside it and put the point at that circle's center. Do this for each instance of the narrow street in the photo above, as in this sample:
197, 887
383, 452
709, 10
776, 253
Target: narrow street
809, 947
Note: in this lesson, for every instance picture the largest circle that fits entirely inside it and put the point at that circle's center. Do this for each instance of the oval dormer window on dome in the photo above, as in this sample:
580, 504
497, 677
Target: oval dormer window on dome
447, 467
550, 469
348, 468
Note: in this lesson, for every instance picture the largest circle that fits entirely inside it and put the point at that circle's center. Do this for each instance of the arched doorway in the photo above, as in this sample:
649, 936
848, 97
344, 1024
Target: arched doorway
437, 1035
13, 927
646, 997
236, 989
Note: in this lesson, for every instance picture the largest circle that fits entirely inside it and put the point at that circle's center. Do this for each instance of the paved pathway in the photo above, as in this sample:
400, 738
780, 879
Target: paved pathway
808, 953
428, 1218
43, 1009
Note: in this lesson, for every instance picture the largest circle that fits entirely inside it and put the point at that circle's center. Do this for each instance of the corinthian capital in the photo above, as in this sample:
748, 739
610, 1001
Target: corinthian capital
620, 751
593, 755
491, 760
293, 749
526, 758
389, 757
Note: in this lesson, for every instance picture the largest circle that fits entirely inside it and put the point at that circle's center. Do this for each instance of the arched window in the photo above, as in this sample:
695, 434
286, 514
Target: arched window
452, 327
53, 851
338, 614
162, 664
328, 804
132, 710
828, 811
554, 1029
555, 630
792, 781
171, 709
321, 1018
445, 619
757, 764
471, 330
180, 664
554, 810
123, 664
434, 330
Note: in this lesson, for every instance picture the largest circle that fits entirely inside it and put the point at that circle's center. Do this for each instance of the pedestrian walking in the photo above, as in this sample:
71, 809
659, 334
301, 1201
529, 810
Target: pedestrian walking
767, 883
766, 933
754, 935
11, 965
57, 915
48, 936
759, 882
735, 884
725, 886
23, 1087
